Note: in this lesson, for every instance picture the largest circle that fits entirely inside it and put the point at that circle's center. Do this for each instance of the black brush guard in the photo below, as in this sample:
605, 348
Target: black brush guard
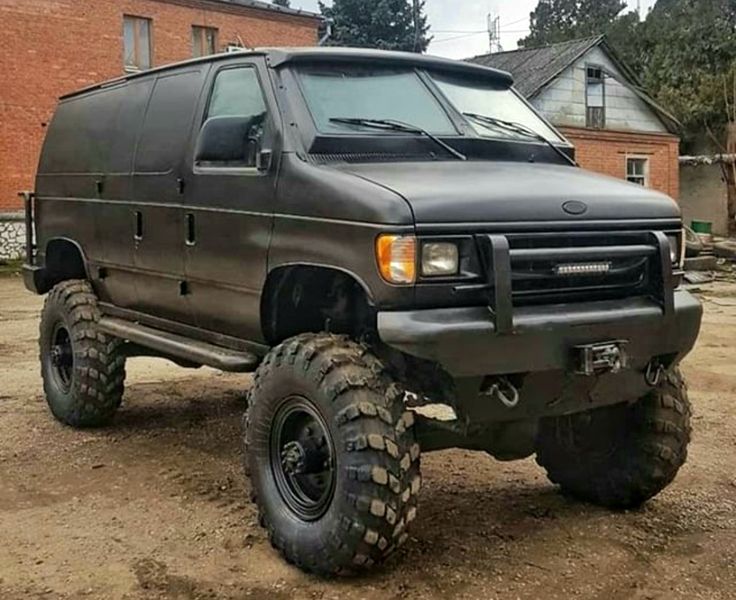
509, 337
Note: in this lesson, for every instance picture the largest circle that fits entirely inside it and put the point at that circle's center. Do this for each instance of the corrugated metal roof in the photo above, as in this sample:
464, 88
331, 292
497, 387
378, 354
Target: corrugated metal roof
533, 68
271, 7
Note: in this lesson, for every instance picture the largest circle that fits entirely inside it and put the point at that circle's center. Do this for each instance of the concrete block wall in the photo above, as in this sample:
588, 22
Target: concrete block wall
12, 236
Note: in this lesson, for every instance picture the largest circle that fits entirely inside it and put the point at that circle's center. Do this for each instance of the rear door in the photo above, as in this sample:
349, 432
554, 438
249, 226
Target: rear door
157, 187
229, 208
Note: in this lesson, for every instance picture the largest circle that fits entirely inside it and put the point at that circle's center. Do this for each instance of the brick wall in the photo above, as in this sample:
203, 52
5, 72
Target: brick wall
606, 152
52, 47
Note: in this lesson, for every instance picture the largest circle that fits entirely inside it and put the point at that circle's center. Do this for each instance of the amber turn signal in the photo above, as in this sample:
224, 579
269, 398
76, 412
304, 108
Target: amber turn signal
397, 258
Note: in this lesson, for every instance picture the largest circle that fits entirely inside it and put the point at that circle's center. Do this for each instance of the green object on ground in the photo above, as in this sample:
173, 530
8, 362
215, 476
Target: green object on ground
705, 227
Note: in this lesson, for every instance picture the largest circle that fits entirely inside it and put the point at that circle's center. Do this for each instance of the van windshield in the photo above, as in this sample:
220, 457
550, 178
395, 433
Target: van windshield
345, 92
474, 96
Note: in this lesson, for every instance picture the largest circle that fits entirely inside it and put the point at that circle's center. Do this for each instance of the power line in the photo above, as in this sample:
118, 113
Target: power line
459, 37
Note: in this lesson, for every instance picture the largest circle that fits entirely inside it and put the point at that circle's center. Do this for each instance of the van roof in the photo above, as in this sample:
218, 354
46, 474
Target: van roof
277, 57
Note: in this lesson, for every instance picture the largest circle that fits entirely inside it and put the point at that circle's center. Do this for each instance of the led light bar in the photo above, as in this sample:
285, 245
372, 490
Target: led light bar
598, 268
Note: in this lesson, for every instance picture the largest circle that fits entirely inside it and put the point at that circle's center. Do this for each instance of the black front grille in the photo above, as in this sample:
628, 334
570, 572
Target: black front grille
537, 258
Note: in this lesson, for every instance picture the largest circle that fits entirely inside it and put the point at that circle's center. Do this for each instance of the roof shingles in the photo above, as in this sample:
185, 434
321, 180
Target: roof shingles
533, 68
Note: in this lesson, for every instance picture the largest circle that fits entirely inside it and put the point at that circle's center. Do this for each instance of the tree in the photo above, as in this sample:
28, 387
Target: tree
555, 21
689, 46
284, 3
385, 24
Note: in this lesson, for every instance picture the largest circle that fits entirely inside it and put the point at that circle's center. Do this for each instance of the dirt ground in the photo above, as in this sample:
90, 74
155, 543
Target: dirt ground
156, 505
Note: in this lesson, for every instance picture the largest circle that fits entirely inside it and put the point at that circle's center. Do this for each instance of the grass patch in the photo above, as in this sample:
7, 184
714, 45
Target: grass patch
10, 267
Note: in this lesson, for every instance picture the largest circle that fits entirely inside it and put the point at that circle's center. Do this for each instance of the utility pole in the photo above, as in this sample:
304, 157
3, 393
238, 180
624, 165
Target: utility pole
416, 25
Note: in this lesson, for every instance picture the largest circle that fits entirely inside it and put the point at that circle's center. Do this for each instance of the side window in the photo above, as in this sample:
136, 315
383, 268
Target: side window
236, 115
237, 92
168, 122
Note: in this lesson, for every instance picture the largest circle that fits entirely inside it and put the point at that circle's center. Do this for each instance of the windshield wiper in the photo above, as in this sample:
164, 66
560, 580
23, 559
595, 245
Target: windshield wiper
519, 128
393, 125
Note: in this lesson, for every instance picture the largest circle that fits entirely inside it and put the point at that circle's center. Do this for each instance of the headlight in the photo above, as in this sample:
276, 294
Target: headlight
440, 259
397, 258
677, 248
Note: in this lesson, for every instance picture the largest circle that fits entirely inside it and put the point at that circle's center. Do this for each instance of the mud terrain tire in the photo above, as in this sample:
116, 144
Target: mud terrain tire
346, 394
620, 456
83, 370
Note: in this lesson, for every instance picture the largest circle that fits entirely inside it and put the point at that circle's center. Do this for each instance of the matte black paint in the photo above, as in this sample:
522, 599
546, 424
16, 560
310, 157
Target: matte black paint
189, 249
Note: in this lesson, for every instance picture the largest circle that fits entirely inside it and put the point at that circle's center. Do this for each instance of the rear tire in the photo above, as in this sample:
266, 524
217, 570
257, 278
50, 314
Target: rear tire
332, 459
620, 456
82, 368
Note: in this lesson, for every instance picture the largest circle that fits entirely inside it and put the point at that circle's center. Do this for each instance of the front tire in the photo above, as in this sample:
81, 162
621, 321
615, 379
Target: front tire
83, 370
620, 456
332, 459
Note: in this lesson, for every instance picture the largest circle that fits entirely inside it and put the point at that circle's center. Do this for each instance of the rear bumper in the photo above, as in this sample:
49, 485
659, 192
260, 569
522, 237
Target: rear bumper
34, 279
467, 343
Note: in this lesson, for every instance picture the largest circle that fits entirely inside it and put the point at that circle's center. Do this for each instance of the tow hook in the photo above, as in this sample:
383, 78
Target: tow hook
505, 391
654, 372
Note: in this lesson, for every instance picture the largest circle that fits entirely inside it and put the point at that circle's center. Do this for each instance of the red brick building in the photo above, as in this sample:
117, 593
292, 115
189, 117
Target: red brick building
51, 47
592, 97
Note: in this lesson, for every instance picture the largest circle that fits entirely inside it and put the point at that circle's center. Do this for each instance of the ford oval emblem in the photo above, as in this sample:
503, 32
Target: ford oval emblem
575, 208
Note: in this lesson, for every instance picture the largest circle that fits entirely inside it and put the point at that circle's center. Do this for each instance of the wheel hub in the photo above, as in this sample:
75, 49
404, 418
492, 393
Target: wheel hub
61, 355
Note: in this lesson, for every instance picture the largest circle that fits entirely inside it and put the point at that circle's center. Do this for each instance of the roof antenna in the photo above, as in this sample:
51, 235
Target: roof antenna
494, 32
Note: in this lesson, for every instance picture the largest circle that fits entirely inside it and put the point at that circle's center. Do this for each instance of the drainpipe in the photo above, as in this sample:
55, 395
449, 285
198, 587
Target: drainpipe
328, 32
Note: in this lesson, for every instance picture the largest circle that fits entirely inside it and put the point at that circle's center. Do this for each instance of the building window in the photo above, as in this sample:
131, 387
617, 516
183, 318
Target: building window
637, 170
137, 43
595, 97
204, 41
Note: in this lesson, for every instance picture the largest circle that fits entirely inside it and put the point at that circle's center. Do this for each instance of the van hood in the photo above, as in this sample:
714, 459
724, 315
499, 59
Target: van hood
475, 191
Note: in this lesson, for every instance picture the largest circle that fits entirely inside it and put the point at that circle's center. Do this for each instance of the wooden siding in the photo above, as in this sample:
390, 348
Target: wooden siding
563, 100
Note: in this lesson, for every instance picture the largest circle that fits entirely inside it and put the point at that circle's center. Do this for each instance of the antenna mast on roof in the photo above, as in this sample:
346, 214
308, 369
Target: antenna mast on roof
494, 32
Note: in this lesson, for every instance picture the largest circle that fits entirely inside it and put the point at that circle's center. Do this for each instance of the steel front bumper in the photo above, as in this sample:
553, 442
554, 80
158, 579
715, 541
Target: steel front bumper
466, 342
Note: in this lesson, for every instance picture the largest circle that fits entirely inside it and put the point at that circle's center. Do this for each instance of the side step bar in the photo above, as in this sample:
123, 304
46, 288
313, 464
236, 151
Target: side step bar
177, 346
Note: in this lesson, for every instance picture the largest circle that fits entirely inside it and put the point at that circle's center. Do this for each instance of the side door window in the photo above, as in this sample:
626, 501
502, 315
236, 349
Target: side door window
235, 120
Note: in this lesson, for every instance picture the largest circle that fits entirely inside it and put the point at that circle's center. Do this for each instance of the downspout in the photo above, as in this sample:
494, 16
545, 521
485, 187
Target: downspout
328, 32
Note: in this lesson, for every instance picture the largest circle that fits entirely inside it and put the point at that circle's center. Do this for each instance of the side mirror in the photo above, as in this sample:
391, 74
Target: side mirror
231, 140
264, 158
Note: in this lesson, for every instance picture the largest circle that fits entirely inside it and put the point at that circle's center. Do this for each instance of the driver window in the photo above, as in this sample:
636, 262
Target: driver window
237, 93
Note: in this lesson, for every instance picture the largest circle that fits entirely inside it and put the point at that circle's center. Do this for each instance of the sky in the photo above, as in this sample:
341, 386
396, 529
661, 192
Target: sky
459, 27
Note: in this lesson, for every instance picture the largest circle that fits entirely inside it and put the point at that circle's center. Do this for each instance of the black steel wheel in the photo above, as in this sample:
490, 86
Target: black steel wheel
620, 456
62, 356
331, 455
83, 369
303, 458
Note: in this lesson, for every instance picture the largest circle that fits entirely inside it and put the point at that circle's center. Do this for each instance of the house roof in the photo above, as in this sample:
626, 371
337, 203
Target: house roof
535, 68
258, 4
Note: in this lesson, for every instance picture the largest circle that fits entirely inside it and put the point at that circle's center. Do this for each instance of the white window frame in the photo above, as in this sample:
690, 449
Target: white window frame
647, 165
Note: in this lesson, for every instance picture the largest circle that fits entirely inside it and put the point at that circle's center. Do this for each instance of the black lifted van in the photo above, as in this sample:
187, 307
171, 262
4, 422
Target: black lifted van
373, 234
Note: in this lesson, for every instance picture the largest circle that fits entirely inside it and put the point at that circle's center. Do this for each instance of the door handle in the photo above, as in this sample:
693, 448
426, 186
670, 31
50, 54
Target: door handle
191, 230
138, 226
